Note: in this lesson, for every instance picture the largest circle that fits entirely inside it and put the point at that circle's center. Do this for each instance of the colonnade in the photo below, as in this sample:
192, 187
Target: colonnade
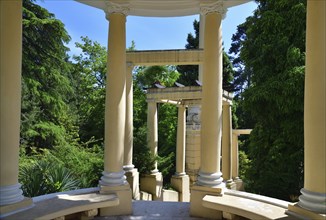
117, 113
180, 180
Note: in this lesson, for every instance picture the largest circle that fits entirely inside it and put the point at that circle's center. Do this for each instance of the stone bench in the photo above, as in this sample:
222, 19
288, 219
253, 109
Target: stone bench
247, 205
64, 205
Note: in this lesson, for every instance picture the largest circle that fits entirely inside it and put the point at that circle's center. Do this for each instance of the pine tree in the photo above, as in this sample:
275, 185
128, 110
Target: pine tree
46, 117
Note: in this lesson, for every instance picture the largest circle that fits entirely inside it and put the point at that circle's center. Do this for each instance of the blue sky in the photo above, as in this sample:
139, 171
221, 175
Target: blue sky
148, 33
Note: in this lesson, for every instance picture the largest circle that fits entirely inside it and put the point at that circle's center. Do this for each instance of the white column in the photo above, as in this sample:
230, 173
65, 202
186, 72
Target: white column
181, 141
152, 131
10, 98
115, 103
227, 156
314, 192
211, 117
128, 143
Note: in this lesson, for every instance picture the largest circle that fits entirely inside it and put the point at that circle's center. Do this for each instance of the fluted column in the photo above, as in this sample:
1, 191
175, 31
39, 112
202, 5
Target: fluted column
227, 155
115, 103
210, 174
181, 141
152, 132
10, 98
314, 192
128, 142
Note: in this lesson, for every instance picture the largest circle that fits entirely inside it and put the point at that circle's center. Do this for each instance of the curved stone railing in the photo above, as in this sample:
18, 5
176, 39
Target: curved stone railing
83, 202
235, 203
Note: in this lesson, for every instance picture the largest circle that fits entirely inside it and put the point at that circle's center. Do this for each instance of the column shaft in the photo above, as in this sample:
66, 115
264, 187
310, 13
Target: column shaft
181, 141
227, 143
152, 133
115, 103
314, 193
201, 44
128, 146
235, 156
210, 174
10, 99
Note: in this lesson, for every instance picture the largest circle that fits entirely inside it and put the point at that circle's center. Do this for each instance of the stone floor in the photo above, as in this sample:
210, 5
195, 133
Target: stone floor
156, 210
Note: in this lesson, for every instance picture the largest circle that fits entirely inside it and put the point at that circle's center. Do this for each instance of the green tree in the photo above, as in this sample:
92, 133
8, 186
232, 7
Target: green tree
189, 73
167, 114
271, 48
88, 79
47, 119
42, 173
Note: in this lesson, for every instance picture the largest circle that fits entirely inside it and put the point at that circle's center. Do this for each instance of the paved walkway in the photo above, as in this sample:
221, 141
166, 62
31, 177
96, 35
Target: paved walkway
156, 210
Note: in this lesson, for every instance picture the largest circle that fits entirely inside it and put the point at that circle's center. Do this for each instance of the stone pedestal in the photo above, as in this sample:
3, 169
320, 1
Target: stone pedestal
181, 185
196, 207
239, 184
145, 196
16, 207
169, 195
301, 213
230, 184
153, 184
125, 201
133, 180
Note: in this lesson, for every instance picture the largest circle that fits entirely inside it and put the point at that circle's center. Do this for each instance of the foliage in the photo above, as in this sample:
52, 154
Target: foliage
86, 163
88, 79
60, 169
244, 165
43, 173
270, 51
147, 76
144, 160
167, 119
46, 116
189, 73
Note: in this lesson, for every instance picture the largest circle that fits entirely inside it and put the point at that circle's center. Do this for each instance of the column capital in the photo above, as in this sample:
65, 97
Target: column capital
215, 7
116, 8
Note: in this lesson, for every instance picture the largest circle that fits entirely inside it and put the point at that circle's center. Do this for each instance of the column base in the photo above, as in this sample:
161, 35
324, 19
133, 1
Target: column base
10, 209
125, 200
230, 184
113, 178
133, 180
312, 201
301, 213
181, 184
11, 194
209, 179
153, 184
196, 200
